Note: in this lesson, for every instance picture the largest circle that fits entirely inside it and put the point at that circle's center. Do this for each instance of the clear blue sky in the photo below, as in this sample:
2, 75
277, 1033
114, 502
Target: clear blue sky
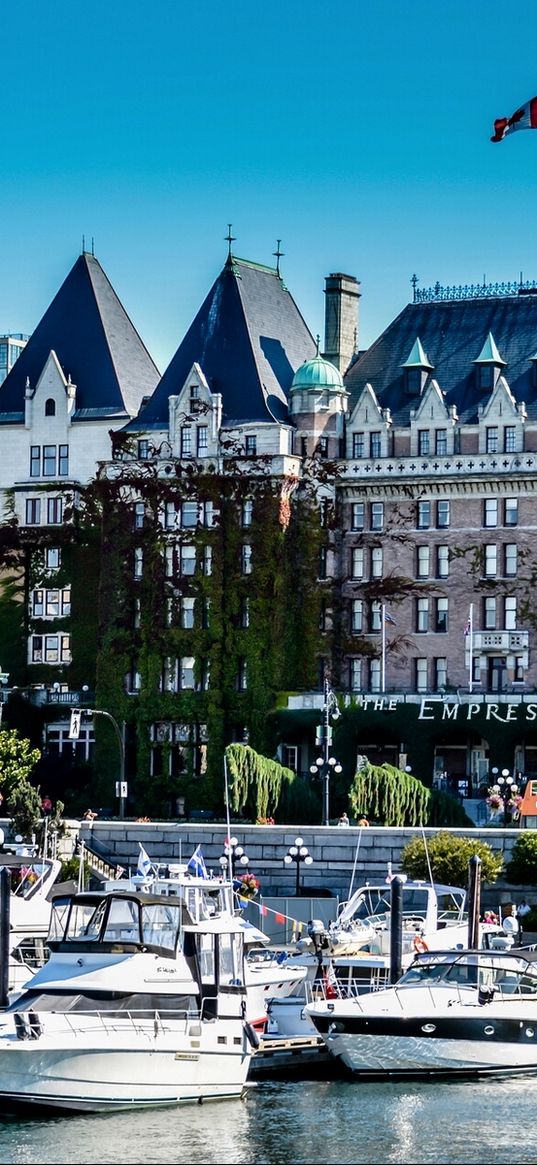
357, 132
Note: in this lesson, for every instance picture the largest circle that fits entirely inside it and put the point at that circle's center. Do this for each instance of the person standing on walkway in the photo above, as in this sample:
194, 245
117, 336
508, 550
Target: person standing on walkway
522, 911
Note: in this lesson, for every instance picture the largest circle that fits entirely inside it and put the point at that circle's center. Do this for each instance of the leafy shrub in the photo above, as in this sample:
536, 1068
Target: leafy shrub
449, 857
522, 867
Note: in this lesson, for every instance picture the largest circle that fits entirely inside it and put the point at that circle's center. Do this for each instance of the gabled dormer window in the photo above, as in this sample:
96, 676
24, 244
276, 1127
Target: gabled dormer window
50, 407
417, 368
488, 365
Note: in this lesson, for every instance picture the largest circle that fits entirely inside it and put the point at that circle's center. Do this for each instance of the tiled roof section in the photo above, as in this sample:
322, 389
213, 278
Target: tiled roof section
96, 345
452, 334
249, 338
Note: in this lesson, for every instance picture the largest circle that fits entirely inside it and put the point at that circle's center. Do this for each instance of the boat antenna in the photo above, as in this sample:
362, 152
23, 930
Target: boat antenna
80, 886
427, 856
228, 824
355, 861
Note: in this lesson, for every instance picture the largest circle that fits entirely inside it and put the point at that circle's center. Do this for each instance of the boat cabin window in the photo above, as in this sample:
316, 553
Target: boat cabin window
206, 958
160, 925
85, 921
230, 958
58, 918
122, 924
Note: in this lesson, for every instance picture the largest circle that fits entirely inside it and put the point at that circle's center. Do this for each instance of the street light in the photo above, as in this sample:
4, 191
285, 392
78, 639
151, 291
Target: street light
326, 764
121, 785
298, 853
233, 855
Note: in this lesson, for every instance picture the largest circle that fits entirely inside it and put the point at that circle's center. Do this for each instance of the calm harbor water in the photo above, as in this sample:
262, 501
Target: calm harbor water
290, 1123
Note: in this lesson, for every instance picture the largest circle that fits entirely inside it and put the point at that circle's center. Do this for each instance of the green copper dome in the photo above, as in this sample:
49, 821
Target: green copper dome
317, 374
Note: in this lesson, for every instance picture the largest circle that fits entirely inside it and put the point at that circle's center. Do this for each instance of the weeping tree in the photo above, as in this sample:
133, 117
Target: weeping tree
395, 798
261, 786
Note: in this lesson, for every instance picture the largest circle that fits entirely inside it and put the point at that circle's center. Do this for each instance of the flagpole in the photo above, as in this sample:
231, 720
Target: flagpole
383, 641
228, 823
471, 663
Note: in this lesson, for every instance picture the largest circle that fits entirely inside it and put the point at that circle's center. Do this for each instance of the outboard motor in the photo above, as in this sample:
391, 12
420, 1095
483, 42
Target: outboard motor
318, 935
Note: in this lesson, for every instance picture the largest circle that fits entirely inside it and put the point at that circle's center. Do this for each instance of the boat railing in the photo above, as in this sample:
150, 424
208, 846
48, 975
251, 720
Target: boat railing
144, 1022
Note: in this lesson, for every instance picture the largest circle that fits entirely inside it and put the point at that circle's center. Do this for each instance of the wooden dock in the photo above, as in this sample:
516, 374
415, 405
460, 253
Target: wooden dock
301, 1056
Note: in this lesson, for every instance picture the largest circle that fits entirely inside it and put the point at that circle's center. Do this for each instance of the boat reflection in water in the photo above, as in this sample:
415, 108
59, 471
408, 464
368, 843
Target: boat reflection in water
452, 1014
142, 1003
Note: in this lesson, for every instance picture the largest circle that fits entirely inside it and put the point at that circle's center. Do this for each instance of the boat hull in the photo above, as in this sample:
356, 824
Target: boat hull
149, 1072
426, 1046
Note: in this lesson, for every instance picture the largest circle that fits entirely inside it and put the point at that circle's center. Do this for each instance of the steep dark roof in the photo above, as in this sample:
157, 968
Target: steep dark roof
452, 334
249, 338
96, 345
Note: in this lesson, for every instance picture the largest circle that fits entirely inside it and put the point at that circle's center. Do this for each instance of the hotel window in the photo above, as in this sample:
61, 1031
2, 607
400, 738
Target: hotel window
423, 556
171, 516
139, 515
490, 512
52, 558
440, 673
251, 445
519, 669
375, 619
187, 611
33, 511
424, 443
137, 614
186, 441
242, 675
63, 460
245, 612
489, 612
247, 512
422, 615
54, 511
246, 558
358, 445
355, 675
187, 560
424, 515
50, 407
206, 513
35, 461
206, 614
510, 613
377, 515
442, 515
52, 604
322, 446
510, 559
511, 512
322, 562
509, 439
37, 604
50, 649
375, 675
143, 450
202, 440
376, 562
49, 460
357, 562
207, 560
492, 440
189, 515
441, 615
375, 445
357, 516
186, 672
322, 615
421, 675
485, 374
491, 561
323, 512
138, 562
440, 443
357, 616
442, 561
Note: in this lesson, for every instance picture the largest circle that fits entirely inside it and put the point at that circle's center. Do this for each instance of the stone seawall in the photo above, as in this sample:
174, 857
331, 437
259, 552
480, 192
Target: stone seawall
339, 855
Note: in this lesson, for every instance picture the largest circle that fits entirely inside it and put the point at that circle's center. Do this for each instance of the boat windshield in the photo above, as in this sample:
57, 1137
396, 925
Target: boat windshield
504, 974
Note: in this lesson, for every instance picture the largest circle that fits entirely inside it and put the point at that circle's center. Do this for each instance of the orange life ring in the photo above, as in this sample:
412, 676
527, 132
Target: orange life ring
420, 946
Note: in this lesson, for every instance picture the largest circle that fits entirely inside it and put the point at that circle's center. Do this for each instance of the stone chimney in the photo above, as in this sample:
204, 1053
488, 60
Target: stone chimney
341, 319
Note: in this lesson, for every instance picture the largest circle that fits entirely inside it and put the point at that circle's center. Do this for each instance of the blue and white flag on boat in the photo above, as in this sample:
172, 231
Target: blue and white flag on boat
145, 864
196, 865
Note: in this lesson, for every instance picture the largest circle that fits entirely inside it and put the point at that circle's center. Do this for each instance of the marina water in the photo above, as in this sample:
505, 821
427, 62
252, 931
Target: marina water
488, 1122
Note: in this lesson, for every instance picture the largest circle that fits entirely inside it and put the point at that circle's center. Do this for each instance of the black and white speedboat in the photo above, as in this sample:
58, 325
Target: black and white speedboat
452, 1014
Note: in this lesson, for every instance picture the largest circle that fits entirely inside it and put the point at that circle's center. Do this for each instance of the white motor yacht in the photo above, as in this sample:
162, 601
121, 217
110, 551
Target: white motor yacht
452, 1014
30, 905
354, 952
141, 1003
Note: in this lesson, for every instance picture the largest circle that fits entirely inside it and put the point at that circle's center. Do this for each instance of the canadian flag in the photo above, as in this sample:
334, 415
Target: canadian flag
523, 118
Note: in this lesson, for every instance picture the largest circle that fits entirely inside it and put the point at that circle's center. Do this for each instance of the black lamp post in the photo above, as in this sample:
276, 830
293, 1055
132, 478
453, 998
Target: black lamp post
298, 853
233, 856
326, 764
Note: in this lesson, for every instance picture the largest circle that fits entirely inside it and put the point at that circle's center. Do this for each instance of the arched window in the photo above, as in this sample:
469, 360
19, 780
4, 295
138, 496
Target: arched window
50, 407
